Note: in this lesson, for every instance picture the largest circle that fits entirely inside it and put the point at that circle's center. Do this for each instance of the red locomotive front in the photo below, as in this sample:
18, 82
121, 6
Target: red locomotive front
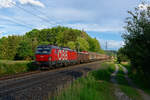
49, 56
44, 55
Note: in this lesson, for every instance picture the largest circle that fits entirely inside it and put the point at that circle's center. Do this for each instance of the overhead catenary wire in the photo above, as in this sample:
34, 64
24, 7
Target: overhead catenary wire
24, 23
27, 11
44, 14
16, 22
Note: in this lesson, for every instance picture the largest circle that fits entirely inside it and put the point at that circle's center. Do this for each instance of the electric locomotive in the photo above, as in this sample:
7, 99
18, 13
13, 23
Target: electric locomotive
49, 56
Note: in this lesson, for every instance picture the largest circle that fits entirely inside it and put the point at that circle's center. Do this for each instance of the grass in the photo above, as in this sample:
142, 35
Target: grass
124, 86
138, 79
95, 86
14, 67
105, 72
13, 62
109, 65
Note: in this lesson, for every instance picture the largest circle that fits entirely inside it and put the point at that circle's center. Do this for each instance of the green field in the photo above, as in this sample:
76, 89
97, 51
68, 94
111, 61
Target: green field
13, 62
13, 67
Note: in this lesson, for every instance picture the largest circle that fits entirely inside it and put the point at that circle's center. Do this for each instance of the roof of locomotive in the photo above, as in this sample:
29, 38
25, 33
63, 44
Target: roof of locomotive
66, 48
49, 46
52, 46
83, 53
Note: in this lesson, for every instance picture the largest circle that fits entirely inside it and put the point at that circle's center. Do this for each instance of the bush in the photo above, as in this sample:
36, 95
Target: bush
9, 69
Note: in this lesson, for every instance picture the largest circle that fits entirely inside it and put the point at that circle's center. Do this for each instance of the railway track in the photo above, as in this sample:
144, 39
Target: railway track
18, 75
39, 85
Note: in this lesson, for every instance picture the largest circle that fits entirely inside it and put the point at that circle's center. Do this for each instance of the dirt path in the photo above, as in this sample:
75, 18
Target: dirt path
118, 93
143, 94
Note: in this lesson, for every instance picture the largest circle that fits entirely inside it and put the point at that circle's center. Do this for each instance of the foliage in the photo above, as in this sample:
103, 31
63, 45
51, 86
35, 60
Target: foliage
88, 89
139, 79
94, 44
23, 47
67, 35
92, 87
8, 46
82, 44
7, 68
24, 51
95, 86
125, 86
121, 57
71, 45
137, 40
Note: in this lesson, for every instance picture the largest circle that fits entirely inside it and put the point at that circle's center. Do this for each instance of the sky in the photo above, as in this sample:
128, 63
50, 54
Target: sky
101, 19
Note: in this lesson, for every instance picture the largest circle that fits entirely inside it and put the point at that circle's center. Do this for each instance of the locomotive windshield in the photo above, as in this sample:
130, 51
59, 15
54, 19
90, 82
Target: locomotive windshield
43, 50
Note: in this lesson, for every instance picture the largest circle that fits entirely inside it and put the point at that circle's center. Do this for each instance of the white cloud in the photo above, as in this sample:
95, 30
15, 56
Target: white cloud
11, 3
6, 3
111, 44
33, 2
115, 44
95, 27
67, 14
1, 32
143, 6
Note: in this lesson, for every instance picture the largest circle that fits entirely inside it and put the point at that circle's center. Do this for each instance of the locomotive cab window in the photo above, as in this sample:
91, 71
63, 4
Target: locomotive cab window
41, 50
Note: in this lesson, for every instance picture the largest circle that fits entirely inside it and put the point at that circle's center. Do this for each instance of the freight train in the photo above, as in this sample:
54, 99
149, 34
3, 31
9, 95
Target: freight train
50, 56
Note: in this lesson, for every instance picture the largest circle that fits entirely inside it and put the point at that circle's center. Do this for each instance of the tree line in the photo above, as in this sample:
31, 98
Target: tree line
137, 41
23, 47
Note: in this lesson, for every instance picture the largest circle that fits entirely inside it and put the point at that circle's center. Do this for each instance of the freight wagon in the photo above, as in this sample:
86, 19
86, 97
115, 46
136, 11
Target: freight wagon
49, 56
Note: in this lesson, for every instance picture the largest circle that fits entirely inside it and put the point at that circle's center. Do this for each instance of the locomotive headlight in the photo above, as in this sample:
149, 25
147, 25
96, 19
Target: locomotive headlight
49, 58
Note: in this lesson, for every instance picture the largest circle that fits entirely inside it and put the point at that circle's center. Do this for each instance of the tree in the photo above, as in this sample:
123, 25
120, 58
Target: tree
67, 35
13, 43
44, 43
24, 51
3, 48
121, 55
82, 44
71, 45
137, 39
94, 45
8, 47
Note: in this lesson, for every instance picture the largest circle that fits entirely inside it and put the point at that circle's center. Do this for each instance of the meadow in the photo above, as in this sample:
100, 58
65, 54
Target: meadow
8, 67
